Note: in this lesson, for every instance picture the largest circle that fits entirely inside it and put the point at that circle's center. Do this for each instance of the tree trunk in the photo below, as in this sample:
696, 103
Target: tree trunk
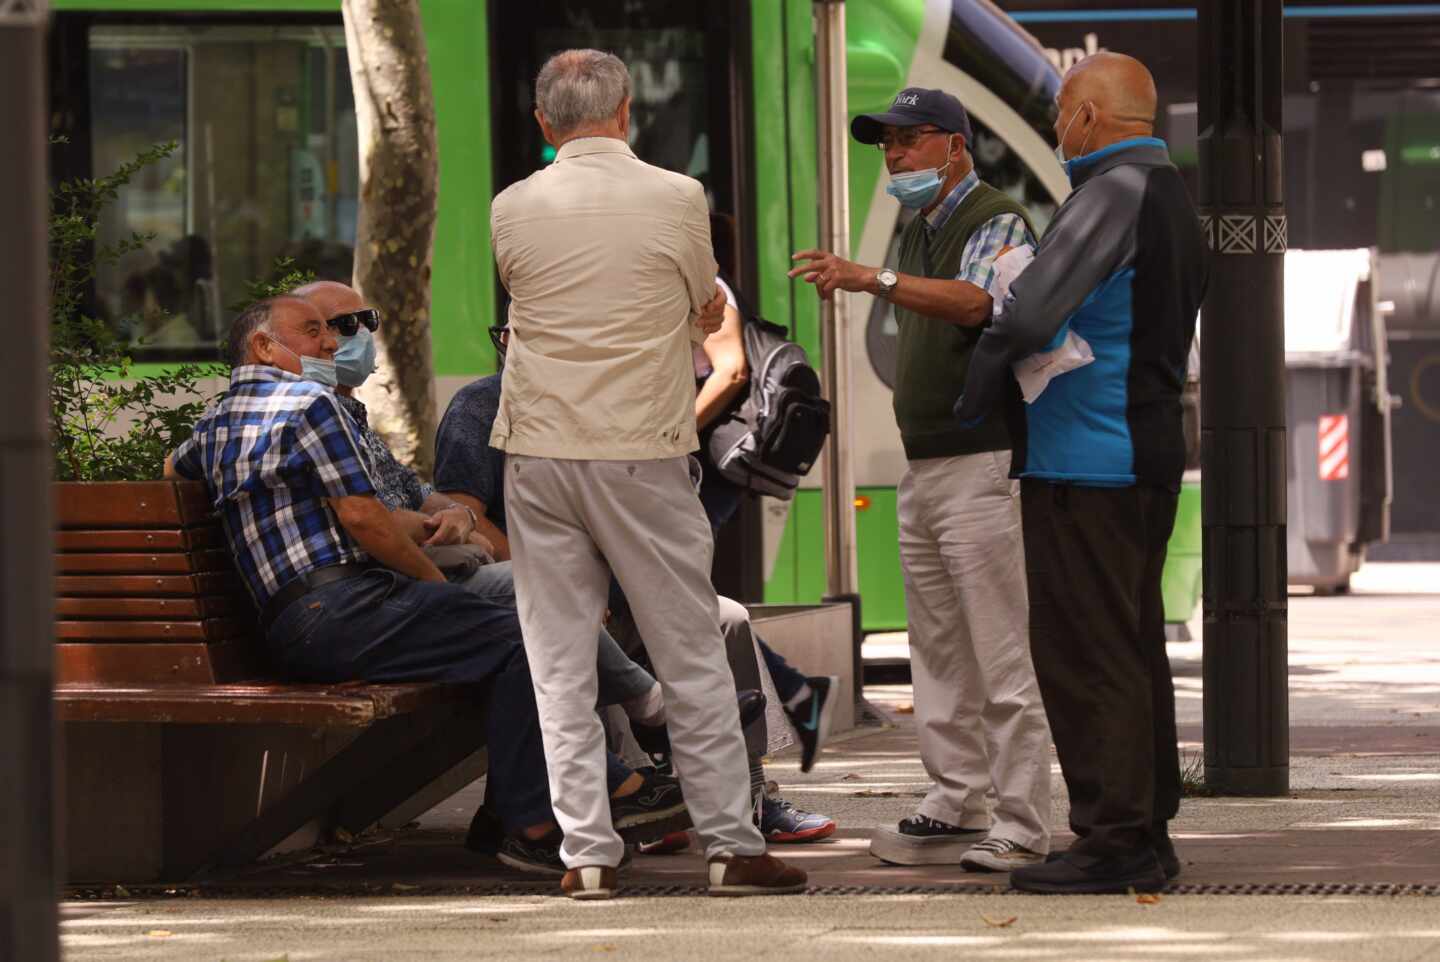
399, 187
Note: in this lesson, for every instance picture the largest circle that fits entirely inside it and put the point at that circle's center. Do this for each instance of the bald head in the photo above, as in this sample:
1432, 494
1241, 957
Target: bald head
1105, 98
330, 297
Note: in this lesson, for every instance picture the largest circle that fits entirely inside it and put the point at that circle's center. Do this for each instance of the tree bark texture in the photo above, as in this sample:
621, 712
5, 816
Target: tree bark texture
399, 191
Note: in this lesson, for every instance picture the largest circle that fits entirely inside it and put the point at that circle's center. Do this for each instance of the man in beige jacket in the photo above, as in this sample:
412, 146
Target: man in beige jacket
608, 264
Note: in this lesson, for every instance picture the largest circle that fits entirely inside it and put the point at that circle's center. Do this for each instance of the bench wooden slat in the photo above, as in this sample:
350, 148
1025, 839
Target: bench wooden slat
120, 663
144, 586
317, 706
211, 629
202, 538
150, 504
175, 563
153, 609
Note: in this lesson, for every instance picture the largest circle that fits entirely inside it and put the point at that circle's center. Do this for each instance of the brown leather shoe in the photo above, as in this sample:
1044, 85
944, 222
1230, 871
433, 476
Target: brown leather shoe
754, 875
589, 882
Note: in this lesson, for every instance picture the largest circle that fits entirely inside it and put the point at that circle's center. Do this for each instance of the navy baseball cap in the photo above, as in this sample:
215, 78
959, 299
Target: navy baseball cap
914, 106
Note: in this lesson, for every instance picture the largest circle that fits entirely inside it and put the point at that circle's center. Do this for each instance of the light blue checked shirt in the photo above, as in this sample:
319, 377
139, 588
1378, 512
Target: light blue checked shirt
977, 261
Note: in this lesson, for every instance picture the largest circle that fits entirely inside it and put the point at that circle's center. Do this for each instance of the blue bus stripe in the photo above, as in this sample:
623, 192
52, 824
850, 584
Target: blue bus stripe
1153, 14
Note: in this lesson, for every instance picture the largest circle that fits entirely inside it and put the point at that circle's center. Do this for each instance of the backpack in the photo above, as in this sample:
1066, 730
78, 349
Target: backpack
770, 439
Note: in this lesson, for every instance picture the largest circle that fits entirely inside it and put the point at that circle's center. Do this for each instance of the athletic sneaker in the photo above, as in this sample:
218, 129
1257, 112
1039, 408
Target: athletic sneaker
921, 840
535, 856
813, 717
781, 821
652, 811
669, 845
998, 855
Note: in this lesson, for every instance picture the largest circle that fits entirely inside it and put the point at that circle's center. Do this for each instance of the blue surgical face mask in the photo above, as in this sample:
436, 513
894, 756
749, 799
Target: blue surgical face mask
355, 360
317, 369
916, 188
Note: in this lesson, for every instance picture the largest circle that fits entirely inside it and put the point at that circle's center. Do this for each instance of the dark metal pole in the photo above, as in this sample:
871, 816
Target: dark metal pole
1243, 445
27, 735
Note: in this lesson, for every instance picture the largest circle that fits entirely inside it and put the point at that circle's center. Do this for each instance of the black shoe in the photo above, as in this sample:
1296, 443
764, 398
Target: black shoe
1165, 851
652, 811
486, 832
536, 856
1074, 873
813, 717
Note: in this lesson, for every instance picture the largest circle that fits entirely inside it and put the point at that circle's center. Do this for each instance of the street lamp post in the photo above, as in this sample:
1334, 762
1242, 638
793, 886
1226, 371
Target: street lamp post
1243, 439
27, 736
842, 580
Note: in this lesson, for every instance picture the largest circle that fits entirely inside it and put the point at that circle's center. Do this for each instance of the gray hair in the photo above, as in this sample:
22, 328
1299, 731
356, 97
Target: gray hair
580, 87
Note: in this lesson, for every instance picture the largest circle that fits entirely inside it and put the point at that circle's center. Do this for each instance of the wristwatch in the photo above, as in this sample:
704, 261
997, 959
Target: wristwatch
887, 279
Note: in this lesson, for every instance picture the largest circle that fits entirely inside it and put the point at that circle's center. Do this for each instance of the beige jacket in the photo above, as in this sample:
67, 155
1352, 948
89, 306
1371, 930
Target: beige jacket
607, 260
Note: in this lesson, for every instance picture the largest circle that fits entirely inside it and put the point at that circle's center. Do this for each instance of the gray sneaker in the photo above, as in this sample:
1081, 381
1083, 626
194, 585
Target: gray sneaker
921, 840
998, 855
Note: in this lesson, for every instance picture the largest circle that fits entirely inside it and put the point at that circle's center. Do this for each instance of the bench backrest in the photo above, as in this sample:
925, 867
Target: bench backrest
146, 589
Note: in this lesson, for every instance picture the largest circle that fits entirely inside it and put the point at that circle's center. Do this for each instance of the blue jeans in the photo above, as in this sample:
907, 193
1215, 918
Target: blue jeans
385, 627
788, 681
620, 678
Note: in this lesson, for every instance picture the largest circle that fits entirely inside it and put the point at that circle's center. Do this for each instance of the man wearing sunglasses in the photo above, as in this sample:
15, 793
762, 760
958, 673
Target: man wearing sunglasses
977, 705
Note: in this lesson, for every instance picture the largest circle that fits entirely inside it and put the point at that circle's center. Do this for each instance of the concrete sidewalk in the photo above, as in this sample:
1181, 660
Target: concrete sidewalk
1361, 817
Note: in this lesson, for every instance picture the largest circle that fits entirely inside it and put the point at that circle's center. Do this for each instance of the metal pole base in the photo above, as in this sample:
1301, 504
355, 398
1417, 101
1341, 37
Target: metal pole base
857, 638
1255, 782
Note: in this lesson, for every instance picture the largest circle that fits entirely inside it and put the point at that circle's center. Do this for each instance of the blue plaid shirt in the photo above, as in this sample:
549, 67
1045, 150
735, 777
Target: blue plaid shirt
977, 261
270, 451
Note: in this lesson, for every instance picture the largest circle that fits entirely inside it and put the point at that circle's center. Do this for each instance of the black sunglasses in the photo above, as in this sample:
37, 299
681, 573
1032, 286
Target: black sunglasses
499, 334
348, 324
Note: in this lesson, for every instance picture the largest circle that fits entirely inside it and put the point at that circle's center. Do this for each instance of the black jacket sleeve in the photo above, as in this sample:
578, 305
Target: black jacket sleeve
1091, 237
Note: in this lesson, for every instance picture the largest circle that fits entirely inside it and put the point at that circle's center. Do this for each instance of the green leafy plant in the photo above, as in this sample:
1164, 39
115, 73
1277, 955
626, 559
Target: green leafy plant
107, 424
285, 276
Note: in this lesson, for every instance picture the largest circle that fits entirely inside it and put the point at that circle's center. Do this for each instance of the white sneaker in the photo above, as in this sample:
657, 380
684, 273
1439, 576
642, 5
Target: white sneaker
998, 855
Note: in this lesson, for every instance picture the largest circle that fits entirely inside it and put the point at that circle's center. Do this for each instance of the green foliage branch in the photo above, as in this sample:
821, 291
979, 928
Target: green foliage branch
106, 423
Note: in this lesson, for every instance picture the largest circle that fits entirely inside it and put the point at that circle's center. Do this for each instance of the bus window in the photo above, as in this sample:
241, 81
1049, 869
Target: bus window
266, 166
1001, 168
679, 59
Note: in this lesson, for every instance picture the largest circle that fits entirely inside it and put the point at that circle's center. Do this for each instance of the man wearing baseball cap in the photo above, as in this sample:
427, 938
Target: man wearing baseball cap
977, 706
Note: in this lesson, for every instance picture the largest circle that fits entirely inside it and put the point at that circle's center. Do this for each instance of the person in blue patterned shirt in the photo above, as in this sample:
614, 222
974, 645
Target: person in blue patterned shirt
343, 592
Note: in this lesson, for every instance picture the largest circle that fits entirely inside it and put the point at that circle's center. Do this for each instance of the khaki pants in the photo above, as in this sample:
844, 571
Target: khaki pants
571, 523
977, 706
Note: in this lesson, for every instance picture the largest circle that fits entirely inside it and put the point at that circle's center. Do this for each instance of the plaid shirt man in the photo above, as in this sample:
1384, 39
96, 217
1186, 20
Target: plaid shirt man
977, 263
270, 451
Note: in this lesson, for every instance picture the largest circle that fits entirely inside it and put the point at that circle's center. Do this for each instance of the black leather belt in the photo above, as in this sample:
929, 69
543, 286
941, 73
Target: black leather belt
306, 583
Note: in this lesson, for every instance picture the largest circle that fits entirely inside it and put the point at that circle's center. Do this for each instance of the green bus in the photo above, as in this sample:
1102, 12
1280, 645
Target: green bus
258, 95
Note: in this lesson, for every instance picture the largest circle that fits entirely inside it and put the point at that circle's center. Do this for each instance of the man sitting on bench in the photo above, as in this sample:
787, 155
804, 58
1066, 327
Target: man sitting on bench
343, 593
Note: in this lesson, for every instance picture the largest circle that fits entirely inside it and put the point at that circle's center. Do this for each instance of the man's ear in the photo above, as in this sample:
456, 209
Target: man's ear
260, 347
545, 130
957, 147
622, 118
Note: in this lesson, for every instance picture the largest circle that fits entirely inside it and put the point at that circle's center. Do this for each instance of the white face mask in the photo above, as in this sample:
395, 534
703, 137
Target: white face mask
1060, 147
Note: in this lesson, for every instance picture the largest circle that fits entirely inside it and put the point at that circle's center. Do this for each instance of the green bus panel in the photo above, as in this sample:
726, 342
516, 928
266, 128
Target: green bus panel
1181, 581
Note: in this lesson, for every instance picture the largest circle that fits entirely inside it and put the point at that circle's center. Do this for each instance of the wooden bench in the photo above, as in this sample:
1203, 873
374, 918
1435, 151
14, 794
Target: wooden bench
182, 756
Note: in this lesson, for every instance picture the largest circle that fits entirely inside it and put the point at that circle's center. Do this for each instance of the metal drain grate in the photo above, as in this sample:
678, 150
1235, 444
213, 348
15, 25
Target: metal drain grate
372, 890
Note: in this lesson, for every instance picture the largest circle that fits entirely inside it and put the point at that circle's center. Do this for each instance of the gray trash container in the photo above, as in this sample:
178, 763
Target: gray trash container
1338, 416
1409, 295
